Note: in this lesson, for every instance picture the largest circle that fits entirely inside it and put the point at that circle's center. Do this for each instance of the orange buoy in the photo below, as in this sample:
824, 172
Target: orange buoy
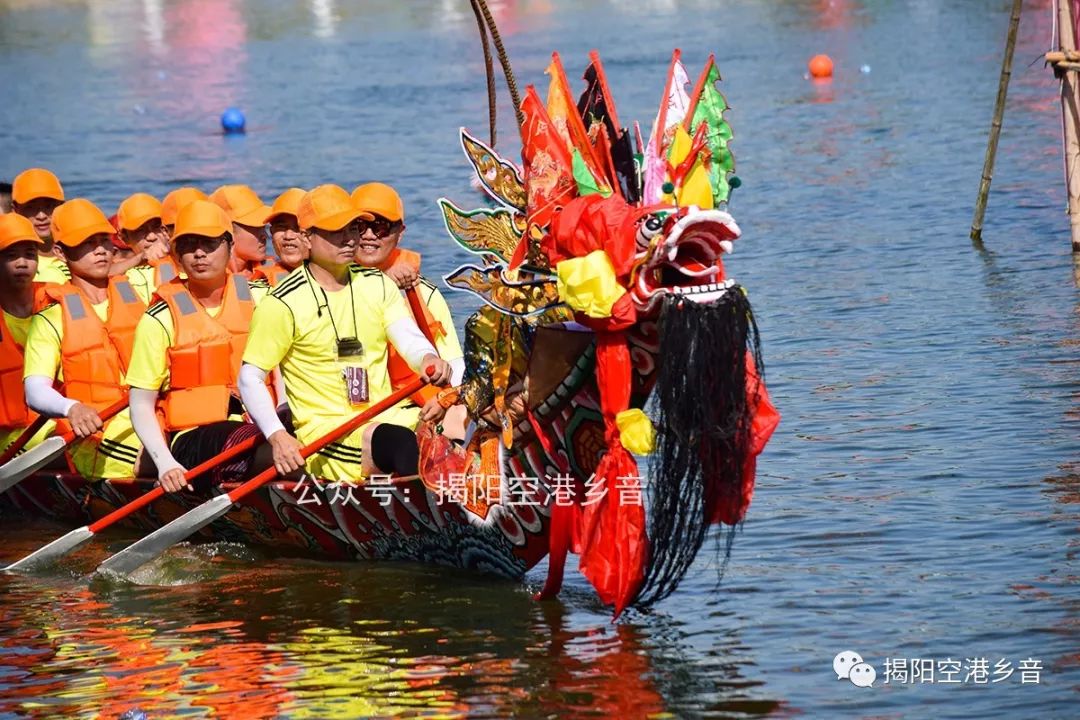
821, 66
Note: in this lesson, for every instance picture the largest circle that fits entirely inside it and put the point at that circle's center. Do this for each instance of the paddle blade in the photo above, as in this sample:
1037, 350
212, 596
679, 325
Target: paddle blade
30, 461
57, 548
138, 554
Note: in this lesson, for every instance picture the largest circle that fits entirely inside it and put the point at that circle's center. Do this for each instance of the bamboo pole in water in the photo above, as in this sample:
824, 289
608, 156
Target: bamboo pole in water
1070, 112
995, 126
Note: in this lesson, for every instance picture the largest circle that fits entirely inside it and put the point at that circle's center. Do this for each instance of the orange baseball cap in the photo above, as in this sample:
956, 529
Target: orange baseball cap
202, 217
380, 199
16, 229
78, 219
328, 207
287, 203
36, 183
136, 210
176, 200
242, 204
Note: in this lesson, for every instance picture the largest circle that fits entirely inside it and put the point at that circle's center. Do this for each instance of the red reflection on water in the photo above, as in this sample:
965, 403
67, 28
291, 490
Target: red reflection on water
125, 663
834, 14
208, 51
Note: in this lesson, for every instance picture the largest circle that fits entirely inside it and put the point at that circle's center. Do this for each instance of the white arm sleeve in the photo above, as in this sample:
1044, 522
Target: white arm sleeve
410, 342
143, 418
42, 398
279, 389
457, 365
257, 400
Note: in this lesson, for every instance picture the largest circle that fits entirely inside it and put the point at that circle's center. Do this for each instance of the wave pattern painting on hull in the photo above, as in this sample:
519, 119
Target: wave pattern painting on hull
330, 521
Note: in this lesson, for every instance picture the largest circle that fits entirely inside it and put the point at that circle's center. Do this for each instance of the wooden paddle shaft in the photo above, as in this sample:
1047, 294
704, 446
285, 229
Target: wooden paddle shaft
20, 442
149, 497
417, 307
105, 415
308, 450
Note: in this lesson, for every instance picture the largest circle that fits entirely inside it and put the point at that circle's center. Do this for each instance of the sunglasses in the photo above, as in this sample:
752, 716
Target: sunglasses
381, 227
190, 243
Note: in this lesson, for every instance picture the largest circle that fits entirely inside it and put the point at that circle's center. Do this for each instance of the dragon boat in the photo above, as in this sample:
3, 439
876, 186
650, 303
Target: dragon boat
403, 521
608, 330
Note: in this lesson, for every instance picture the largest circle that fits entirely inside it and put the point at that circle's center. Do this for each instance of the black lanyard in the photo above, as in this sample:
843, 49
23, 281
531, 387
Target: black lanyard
347, 346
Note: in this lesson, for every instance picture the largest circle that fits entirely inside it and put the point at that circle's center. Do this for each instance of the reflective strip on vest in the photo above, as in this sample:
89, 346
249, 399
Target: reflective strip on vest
75, 306
166, 272
243, 290
184, 303
127, 293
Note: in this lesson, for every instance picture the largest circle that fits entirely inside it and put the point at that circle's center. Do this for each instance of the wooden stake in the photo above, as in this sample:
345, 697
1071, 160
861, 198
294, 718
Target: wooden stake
1070, 110
995, 126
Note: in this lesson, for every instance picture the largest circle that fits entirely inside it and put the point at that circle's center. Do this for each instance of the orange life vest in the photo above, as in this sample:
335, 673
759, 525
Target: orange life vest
164, 271
13, 410
272, 274
400, 372
95, 354
204, 360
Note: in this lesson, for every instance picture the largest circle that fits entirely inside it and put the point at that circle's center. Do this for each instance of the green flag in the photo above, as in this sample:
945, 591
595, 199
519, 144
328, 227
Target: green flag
710, 110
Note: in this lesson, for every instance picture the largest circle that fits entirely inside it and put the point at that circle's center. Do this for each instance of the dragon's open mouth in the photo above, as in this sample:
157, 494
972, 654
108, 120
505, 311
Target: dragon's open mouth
686, 261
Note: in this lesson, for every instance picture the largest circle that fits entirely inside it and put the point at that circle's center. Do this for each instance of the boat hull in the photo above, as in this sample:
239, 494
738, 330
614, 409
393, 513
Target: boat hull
328, 521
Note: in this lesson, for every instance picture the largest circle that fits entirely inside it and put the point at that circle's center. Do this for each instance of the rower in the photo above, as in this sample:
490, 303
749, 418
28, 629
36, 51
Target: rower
35, 194
379, 248
140, 228
20, 298
248, 215
328, 326
174, 202
84, 339
290, 245
187, 354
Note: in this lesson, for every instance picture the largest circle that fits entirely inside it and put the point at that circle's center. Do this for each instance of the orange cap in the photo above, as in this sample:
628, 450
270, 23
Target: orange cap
287, 203
201, 217
176, 200
136, 210
35, 183
380, 199
242, 204
328, 207
16, 229
78, 219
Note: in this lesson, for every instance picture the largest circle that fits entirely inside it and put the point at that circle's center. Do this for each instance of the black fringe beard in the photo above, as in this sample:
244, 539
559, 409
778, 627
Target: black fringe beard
702, 413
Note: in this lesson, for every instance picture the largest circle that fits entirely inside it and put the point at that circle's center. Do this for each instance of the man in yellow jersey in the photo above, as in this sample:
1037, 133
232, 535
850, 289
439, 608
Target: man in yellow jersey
248, 215
20, 298
84, 339
35, 194
290, 245
378, 248
328, 327
187, 355
140, 228
174, 202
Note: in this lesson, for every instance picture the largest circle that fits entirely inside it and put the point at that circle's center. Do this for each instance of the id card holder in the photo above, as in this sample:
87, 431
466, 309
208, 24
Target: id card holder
356, 385
350, 352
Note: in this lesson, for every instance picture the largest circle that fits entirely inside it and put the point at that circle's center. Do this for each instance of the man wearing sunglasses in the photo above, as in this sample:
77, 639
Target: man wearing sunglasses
186, 359
379, 248
328, 326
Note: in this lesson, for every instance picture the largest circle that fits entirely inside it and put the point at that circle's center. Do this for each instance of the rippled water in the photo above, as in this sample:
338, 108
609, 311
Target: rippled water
918, 501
